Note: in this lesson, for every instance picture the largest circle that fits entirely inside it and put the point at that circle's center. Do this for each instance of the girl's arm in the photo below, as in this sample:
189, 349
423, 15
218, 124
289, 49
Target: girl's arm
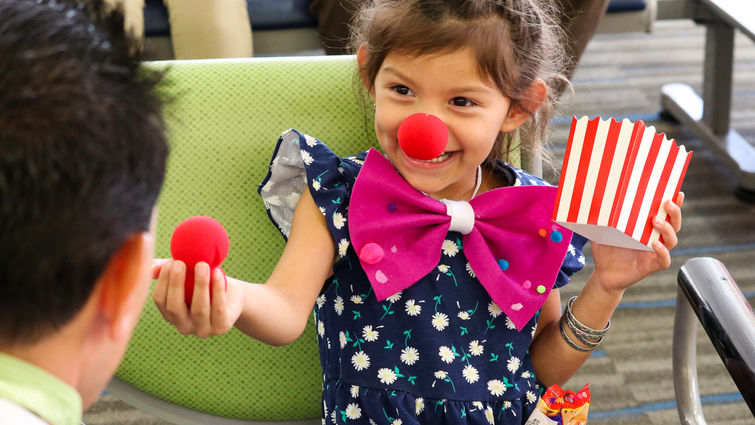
276, 312
616, 269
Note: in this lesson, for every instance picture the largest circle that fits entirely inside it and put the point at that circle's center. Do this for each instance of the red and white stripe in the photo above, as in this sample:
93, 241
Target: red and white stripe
616, 175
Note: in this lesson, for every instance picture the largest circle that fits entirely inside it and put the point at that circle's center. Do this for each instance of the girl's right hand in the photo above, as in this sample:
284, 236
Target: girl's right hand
204, 318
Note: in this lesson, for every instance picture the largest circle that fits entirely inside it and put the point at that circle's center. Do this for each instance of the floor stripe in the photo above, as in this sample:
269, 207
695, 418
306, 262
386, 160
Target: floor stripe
704, 250
631, 117
651, 407
664, 303
712, 249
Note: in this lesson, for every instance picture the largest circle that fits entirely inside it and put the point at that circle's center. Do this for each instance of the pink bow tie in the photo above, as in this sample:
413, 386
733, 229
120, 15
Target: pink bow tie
512, 246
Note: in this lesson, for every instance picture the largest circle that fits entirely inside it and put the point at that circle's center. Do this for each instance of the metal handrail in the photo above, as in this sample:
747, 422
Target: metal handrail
706, 290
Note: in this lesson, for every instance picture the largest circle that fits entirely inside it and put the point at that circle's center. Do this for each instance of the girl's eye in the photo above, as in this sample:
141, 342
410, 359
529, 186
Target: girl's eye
462, 101
402, 90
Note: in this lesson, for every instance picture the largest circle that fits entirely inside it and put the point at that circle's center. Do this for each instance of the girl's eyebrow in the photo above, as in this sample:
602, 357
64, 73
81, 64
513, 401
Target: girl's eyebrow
475, 89
397, 73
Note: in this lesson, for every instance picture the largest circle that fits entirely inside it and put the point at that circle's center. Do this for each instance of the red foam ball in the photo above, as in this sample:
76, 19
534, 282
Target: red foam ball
199, 239
423, 136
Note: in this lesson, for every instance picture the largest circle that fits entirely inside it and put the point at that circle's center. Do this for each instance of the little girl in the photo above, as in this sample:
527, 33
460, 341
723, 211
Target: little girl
414, 326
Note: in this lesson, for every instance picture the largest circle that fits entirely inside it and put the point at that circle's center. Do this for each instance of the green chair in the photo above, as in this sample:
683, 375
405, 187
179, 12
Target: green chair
223, 123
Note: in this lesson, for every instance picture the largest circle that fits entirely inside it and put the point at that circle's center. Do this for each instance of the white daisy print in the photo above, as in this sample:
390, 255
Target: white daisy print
513, 364
338, 220
322, 210
360, 361
412, 308
449, 248
343, 246
316, 185
342, 339
572, 250
353, 411
531, 397
581, 259
386, 376
494, 310
526, 374
333, 417
310, 141
338, 305
397, 422
357, 299
409, 355
320, 328
306, 157
370, 334
470, 374
320, 301
440, 321
463, 315
443, 268
470, 271
293, 199
441, 374
272, 200
507, 404
496, 387
354, 391
509, 324
489, 415
446, 354
475, 348
393, 298
419, 405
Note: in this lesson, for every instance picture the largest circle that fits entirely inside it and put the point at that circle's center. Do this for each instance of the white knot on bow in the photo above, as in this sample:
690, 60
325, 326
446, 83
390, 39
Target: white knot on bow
462, 216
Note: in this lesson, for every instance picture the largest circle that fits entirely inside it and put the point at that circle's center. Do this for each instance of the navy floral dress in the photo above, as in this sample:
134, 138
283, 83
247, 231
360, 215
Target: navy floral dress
439, 352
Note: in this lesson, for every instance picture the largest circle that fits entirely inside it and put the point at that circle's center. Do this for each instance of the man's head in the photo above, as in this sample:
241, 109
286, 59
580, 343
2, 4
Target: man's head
82, 160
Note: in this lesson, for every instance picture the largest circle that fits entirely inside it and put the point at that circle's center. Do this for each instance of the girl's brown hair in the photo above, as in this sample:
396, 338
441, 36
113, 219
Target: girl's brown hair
516, 42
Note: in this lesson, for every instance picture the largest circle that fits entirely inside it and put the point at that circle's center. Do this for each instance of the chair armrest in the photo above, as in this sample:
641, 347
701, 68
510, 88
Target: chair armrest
707, 290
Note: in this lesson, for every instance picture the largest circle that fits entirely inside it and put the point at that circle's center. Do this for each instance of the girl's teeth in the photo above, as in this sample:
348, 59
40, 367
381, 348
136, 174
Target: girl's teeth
441, 158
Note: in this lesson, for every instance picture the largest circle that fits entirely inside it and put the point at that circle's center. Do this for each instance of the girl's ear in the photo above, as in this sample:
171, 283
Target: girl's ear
523, 110
362, 57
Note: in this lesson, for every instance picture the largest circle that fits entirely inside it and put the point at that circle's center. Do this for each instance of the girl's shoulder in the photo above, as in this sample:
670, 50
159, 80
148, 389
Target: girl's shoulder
516, 176
301, 162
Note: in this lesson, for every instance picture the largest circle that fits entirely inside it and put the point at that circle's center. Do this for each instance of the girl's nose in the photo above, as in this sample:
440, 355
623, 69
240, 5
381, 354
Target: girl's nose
423, 136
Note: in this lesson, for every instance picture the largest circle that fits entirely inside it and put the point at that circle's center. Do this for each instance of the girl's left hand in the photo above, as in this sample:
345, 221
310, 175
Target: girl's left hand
619, 268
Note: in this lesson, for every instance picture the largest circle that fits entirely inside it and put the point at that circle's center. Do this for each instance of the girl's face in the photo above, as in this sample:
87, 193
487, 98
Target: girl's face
449, 86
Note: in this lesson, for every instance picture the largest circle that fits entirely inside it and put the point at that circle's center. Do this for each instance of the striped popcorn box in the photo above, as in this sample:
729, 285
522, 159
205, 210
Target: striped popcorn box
615, 178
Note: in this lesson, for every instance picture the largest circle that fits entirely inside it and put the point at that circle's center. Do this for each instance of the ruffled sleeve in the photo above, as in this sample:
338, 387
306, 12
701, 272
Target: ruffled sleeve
302, 162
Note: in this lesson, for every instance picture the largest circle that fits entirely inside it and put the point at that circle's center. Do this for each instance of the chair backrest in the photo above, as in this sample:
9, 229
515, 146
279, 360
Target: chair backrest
224, 121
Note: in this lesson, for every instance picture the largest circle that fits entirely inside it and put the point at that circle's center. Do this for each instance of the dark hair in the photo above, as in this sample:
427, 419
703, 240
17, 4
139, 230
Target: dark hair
82, 156
515, 41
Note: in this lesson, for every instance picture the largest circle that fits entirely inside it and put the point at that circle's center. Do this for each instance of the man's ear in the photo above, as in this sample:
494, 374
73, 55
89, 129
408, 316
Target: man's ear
523, 110
362, 57
124, 284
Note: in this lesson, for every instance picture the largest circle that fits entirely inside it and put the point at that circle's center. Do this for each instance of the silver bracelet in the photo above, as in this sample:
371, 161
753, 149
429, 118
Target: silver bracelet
589, 338
568, 340
584, 329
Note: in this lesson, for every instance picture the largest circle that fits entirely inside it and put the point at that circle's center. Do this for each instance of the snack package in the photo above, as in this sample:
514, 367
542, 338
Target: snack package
560, 407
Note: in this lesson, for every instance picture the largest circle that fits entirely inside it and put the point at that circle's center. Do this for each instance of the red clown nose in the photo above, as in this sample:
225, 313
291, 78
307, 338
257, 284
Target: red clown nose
423, 136
199, 239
